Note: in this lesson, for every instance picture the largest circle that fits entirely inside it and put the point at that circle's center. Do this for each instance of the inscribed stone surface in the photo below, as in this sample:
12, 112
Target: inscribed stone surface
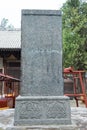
41, 53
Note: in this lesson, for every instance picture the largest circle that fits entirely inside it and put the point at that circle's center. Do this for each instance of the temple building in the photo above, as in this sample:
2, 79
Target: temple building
10, 48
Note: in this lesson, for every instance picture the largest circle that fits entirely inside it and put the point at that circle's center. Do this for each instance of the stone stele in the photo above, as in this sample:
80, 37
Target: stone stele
41, 100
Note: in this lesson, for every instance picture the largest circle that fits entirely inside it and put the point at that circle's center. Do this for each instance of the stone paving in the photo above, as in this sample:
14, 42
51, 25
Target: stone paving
78, 117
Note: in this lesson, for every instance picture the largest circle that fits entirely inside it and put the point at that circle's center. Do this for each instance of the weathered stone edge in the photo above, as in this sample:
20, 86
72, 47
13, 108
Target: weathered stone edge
42, 97
41, 12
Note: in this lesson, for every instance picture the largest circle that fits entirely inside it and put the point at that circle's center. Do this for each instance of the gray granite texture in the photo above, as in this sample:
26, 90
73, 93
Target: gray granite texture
41, 53
45, 110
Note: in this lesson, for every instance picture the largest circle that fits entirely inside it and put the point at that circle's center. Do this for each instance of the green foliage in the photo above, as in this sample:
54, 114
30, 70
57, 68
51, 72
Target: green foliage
75, 34
5, 26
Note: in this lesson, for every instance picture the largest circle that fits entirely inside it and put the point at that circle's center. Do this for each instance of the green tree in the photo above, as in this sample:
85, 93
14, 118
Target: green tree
5, 26
75, 34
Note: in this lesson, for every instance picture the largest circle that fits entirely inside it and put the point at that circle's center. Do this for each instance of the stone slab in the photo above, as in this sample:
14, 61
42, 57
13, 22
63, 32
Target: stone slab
42, 110
41, 54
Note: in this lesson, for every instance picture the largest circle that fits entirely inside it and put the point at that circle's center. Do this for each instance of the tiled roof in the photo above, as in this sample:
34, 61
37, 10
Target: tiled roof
10, 39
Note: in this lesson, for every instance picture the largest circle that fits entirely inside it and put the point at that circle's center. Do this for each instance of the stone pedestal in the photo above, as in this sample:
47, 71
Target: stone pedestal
41, 101
45, 110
